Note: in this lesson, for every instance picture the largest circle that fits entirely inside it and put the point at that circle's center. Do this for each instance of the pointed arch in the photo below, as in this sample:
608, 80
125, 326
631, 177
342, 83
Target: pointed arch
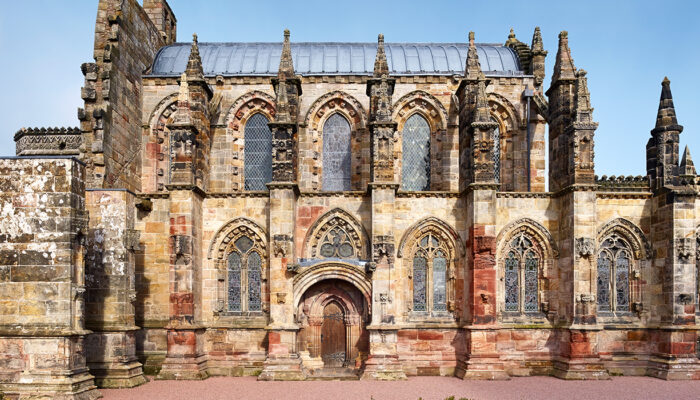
505, 112
442, 228
336, 101
424, 103
232, 229
156, 142
343, 225
641, 247
536, 230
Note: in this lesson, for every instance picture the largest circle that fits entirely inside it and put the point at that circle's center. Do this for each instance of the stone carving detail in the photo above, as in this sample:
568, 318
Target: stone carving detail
337, 235
132, 239
537, 232
370, 267
293, 268
281, 245
383, 249
585, 247
247, 105
48, 141
636, 238
455, 244
684, 249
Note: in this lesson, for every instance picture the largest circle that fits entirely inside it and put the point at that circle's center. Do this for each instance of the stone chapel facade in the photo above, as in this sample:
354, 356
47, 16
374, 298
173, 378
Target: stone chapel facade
293, 210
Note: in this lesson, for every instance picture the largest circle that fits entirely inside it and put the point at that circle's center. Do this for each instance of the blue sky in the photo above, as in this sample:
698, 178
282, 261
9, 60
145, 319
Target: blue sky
627, 47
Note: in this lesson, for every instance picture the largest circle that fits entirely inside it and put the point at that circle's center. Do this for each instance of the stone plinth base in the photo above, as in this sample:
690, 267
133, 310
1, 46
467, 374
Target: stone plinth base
45, 367
383, 368
185, 359
111, 357
674, 369
282, 368
482, 368
580, 369
310, 363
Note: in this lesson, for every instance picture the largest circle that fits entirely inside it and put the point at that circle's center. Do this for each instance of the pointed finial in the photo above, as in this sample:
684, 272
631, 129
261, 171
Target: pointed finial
537, 45
473, 70
511, 35
381, 66
194, 68
564, 63
194, 38
471, 38
583, 112
687, 165
563, 35
286, 65
666, 116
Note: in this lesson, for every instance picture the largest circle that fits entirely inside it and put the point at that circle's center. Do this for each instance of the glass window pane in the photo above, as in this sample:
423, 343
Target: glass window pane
497, 152
439, 283
512, 280
234, 282
257, 153
415, 169
622, 283
604, 281
420, 265
254, 282
336, 154
531, 263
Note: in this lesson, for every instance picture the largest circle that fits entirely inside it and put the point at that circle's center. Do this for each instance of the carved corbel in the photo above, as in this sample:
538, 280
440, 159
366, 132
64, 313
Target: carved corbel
293, 268
585, 247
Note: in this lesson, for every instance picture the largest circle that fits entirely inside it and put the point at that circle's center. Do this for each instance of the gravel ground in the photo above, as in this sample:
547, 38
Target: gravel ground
429, 388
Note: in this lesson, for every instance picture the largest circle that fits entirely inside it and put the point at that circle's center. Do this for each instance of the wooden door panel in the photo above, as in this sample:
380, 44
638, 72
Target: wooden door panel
333, 336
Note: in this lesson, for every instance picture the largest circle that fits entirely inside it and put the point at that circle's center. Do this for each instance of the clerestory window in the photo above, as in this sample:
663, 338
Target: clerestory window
336, 154
257, 153
415, 165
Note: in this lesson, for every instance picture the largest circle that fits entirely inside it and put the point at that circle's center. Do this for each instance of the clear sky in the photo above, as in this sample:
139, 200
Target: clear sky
627, 47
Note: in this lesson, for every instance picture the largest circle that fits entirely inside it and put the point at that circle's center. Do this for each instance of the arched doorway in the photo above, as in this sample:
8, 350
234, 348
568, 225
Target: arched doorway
332, 314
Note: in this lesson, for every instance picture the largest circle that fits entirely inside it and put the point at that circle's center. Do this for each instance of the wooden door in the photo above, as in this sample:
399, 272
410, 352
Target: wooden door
333, 336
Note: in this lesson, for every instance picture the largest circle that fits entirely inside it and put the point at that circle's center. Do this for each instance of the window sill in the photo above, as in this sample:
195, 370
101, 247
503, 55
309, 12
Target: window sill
430, 317
525, 318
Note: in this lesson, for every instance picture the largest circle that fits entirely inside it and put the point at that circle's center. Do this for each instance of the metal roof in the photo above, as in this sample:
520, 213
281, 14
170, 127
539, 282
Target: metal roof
262, 59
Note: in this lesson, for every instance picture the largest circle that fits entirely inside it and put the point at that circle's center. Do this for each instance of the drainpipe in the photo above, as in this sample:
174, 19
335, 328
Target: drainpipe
528, 93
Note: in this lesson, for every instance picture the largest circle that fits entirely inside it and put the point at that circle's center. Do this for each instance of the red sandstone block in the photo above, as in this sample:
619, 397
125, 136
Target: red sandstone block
429, 335
525, 345
304, 212
520, 335
273, 338
408, 334
679, 348
580, 349
503, 336
636, 335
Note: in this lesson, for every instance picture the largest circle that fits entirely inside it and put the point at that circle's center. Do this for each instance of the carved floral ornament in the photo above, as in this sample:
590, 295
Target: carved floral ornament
440, 228
424, 103
535, 230
631, 232
336, 101
585, 247
337, 234
247, 105
231, 231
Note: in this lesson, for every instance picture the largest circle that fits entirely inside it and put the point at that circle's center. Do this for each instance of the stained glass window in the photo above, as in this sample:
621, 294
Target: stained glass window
234, 282
257, 153
430, 275
336, 244
415, 169
420, 266
245, 269
336, 154
497, 152
613, 284
521, 275
254, 272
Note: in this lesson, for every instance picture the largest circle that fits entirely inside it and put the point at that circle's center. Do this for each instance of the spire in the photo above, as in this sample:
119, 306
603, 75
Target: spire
381, 67
687, 166
564, 64
538, 55
286, 64
666, 117
282, 114
194, 69
511, 38
583, 112
473, 70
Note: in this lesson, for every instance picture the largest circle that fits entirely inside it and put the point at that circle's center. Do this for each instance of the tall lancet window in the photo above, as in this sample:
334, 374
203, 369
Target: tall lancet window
497, 152
257, 153
522, 265
336, 154
244, 276
430, 275
614, 262
415, 169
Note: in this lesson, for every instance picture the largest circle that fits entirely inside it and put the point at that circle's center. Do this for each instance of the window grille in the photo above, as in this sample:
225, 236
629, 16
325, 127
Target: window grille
245, 269
415, 169
521, 278
614, 262
257, 153
336, 154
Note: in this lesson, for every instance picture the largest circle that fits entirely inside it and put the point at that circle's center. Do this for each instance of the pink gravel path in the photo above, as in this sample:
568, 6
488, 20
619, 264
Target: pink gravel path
429, 388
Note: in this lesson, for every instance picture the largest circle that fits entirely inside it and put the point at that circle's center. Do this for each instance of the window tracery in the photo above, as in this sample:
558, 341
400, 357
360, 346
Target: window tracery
415, 166
430, 275
522, 265
244, 276
497, 152
257, 153
613, 283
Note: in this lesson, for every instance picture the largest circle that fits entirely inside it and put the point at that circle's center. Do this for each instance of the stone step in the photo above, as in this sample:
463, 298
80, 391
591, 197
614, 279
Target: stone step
333, 374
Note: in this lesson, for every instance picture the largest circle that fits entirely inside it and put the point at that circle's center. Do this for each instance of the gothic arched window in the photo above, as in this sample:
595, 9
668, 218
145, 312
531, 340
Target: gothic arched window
521, 277
257, 153
244, 276
497, 152
430, 275
614, 265
336, 154
415, 166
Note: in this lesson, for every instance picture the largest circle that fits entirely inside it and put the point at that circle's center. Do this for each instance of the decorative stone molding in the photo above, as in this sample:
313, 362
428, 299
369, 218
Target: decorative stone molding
631, 232
48, 141
281, 245
504, 111
684, 249
441, 228
370, 267
332, 270
233, 229
536, 230
383, 248
585, 247
293, 268
425, 103
331, 102
356, 236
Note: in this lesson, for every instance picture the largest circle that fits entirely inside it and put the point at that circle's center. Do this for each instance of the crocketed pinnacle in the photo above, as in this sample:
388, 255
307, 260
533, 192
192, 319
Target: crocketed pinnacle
481, 112
194, 69
286, 65
283, 114
687, 166
473, 70
666, 116
537, 45
381, 67
583, 112
564, 64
